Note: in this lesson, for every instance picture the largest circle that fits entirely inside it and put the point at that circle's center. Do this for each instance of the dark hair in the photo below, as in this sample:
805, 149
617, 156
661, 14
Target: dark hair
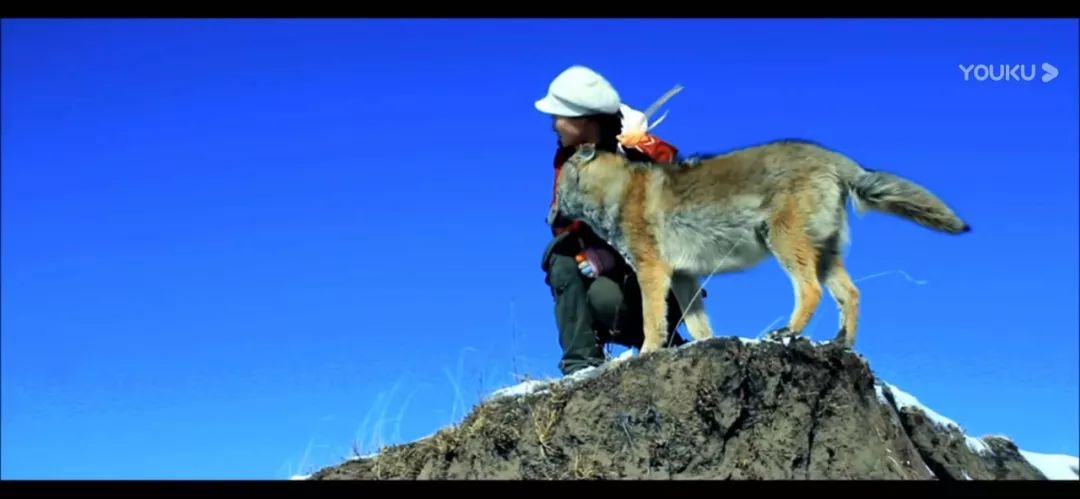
609, 127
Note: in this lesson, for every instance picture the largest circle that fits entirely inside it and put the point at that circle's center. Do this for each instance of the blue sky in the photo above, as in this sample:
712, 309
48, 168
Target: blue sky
233, 248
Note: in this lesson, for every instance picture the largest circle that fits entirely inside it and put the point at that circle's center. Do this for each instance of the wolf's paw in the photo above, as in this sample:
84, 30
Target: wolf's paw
650, 347
841, 339
831, 345
781, 333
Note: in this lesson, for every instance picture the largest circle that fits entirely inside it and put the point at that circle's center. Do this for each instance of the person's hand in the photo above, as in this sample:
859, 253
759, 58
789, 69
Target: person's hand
633, 138
593, 262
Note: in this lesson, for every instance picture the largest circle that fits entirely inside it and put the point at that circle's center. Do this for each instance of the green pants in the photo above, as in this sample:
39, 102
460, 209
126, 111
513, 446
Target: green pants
592, 312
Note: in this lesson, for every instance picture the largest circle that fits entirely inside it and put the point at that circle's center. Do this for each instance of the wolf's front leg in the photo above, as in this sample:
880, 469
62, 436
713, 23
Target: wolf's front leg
655, 280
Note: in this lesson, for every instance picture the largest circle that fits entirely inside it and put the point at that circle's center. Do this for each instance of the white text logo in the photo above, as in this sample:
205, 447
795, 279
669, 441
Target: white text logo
1007, 72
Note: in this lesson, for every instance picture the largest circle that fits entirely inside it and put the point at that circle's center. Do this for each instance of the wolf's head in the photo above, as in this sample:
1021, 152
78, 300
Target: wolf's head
591, 186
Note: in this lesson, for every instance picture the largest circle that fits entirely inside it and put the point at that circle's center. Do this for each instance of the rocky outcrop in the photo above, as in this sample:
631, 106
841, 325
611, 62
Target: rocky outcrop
724, 408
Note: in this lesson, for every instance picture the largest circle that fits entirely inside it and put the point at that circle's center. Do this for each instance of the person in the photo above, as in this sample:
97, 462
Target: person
596, 293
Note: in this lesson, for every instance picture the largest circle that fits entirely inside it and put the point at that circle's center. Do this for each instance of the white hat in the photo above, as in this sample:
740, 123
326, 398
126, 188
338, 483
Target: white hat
579, 91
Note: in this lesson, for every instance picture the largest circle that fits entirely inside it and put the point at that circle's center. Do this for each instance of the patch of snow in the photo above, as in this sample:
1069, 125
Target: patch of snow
1054, 466
904, 399
928, 471
691, 342
533, 386
966, 476
880, 394
587, 373
523, 388
373, 455
977, 445
749, 341
299, 477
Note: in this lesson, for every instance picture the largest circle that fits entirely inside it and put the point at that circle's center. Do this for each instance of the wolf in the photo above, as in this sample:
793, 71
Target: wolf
676, 223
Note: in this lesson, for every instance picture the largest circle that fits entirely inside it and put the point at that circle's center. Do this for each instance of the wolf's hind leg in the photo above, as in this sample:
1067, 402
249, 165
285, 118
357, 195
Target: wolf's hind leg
687, 291
837, 280
846, 295
793, 248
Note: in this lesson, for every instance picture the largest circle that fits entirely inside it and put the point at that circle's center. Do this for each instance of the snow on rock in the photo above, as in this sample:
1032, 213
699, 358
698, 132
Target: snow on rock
365, 456
785, 340
745, 340
587, 373
880, 394
534, 386
375, 454
692, 342
1054, 466
540, 386
523, 388
977, 445
904, 399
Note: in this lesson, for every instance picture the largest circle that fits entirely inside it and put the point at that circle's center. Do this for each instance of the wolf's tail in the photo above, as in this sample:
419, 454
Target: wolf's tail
893, 194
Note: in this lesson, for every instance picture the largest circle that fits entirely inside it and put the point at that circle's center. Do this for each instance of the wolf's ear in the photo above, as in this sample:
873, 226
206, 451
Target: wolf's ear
584, 154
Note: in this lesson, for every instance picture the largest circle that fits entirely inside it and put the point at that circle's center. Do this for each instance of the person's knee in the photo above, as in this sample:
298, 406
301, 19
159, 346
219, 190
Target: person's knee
605, 299
562, 272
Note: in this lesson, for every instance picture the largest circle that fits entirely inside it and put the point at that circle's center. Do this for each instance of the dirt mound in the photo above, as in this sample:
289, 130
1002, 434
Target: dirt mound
718, 409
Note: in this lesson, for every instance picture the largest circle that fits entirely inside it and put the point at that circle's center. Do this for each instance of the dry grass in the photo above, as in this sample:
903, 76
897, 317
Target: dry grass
586, 466
544, 424
546, 416
446, 443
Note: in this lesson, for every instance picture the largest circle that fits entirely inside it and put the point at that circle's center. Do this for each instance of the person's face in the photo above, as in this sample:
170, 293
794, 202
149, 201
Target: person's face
575, 131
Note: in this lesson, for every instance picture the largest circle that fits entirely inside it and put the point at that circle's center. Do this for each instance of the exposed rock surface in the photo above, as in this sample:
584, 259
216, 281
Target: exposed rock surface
719, 409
